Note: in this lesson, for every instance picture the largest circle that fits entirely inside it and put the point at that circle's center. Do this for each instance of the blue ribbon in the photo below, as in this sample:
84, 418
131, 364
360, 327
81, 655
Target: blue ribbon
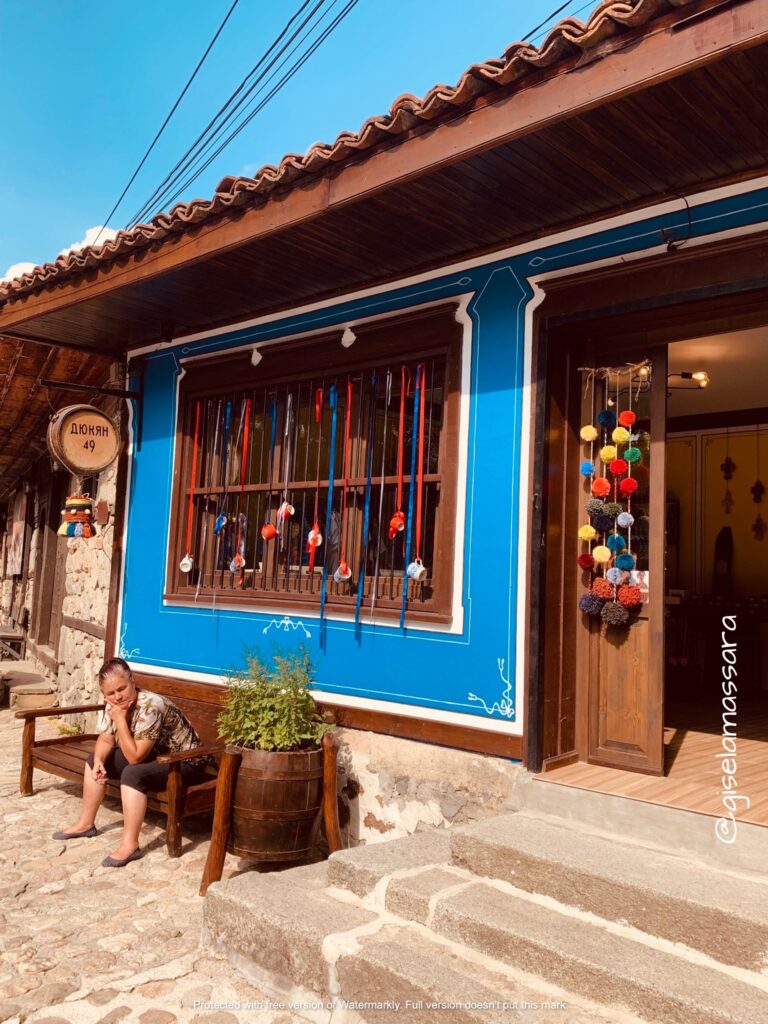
333, 402
221, 518
367, 503
411, 488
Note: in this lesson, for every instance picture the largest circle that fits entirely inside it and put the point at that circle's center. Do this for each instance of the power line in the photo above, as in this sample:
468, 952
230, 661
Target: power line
546, 21
191, 154
181, 96
283, 81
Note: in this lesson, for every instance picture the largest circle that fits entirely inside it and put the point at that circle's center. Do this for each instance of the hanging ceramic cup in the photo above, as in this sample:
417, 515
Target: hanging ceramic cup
396, 523
285, 511
417, 570
343, 573
237, 563
315, 538
186, 563
269, 531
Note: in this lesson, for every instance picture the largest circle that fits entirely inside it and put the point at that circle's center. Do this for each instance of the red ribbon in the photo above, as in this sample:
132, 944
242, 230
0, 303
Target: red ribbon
347, 422
195, 446
312, 548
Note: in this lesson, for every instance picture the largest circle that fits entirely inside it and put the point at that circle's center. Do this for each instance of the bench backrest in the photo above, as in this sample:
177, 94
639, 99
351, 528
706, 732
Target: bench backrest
200, 702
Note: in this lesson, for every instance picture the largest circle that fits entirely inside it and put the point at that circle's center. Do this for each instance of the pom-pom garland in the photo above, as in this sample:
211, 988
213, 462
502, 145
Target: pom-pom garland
615, 576
590, 604
587, 532
602, 523
628, 486
625, 520
607, 418
602, 588
629, 595
586, 562
616, 543
601, 487
588, 433
625, 561
618, 467
620, 435
612, 509
594, 507
608, 452
627, 418
633, 455
601, 554
586, 468
614, 614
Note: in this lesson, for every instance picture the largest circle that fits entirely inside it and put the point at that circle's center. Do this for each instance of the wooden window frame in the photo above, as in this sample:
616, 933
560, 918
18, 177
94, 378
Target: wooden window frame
432, 332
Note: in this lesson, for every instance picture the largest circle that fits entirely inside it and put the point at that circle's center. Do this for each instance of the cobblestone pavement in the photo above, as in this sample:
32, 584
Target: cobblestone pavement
83, 944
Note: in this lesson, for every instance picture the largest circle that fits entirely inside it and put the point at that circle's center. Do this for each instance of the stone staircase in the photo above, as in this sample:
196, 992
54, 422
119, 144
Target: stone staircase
521, 917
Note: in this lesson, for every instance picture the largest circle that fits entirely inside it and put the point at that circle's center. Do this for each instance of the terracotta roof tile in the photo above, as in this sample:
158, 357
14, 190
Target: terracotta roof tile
567, 39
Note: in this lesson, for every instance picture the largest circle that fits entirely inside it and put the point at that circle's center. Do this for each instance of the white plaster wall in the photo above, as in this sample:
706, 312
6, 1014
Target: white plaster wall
392, 787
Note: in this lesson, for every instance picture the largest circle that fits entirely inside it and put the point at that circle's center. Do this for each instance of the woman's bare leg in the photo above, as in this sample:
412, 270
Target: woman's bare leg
93, 794
134, 809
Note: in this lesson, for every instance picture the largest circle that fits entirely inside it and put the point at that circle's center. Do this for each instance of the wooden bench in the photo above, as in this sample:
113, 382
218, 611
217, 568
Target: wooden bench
65, 756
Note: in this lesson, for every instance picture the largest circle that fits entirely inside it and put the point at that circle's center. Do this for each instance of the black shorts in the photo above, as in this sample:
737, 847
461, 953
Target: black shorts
147, 776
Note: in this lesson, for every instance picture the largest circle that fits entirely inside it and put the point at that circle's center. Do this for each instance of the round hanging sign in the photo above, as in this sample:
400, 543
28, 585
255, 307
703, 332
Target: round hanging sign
83, 439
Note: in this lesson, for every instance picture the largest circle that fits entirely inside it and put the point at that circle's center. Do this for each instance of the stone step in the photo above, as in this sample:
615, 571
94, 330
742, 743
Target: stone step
654, 824
724, 915
579, 953
361, 869
310, 944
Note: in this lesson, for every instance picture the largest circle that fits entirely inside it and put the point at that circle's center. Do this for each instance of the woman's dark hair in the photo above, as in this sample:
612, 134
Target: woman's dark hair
114, 665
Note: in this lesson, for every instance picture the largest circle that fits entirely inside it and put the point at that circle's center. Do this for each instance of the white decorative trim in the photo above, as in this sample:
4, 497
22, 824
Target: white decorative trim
123, 651
506, 705
287, 625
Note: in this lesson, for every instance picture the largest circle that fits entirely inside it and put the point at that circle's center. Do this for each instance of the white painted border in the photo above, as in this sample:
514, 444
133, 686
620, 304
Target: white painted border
536, 282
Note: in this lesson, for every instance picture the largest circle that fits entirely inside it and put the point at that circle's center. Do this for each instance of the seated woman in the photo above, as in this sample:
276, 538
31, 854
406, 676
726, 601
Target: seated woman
136, 727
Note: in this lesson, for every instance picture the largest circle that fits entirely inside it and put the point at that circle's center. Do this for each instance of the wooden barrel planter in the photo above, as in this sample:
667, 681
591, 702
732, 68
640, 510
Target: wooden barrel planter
276, 801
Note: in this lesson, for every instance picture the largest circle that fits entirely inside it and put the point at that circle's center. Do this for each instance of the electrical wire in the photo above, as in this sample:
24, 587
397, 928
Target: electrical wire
283, 81
164, 125
192, 152
546, 21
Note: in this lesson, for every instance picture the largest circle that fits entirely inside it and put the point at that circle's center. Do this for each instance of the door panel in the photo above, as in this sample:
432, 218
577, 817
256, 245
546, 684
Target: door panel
622, 668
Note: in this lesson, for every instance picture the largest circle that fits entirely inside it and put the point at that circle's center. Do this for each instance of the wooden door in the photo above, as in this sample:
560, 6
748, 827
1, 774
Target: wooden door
620, 669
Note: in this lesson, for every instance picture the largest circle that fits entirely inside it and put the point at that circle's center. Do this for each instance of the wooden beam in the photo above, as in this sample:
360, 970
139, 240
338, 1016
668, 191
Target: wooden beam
619, 68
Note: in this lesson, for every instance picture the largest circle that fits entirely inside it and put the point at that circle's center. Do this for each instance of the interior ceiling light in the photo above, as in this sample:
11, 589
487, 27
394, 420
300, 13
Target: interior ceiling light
688, 380
348, 338
256, 357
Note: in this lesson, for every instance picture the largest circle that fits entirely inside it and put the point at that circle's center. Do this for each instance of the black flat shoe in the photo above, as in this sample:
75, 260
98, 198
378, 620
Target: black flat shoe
88, 834
112, 862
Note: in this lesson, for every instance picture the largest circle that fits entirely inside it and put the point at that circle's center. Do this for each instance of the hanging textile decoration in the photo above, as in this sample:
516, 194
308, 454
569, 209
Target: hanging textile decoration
610, 561
343, 571
238, 561
379, 541
213, 447
757, 490
411, 488
416, 570
77, 517
286, 510
187, 561
397, 522
333, 403
363, 561
269, 530
315, 538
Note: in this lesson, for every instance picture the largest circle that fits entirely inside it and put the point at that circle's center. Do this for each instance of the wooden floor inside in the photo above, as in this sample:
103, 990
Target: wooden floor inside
692, 779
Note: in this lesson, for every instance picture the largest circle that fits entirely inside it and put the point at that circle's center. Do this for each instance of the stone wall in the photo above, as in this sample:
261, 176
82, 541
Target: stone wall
391, 787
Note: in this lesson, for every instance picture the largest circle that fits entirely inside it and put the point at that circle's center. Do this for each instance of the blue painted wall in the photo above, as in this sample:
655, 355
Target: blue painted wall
471, 673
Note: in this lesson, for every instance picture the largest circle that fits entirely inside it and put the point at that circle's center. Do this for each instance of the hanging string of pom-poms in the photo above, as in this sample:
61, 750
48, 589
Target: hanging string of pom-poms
606, 552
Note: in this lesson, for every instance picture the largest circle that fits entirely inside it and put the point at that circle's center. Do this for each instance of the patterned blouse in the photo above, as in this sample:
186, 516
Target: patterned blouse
156, 718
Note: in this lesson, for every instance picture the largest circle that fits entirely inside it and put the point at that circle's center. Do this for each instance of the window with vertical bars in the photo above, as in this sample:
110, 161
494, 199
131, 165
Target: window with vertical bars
321, 474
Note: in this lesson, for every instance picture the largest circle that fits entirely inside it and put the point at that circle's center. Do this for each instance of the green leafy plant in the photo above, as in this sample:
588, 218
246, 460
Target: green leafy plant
65, 729
272, 708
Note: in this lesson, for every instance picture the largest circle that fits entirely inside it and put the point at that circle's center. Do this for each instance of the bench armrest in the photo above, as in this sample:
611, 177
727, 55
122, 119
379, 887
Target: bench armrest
57, 712
187, 755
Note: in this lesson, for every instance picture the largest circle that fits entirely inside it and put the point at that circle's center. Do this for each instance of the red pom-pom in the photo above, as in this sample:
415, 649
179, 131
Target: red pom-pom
628, 486
586, 561
629, 595
602, 588
627, 418
601, 487
618, 467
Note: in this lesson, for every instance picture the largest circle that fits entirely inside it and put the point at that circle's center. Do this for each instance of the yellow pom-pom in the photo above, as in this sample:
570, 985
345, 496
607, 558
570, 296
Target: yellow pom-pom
620, 435
587, 532
588, 433
608, 453
601, 554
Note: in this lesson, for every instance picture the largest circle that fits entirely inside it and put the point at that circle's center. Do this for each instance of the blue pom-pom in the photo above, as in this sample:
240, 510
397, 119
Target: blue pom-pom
587, 469
607, 418
590, 604
615, 576
616, 543
626, 562
602, 523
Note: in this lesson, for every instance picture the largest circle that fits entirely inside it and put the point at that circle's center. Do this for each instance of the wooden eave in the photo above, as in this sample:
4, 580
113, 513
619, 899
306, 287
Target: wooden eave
673, 108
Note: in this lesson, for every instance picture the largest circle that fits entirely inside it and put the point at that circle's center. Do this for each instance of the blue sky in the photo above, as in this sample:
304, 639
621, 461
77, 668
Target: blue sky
88, 83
